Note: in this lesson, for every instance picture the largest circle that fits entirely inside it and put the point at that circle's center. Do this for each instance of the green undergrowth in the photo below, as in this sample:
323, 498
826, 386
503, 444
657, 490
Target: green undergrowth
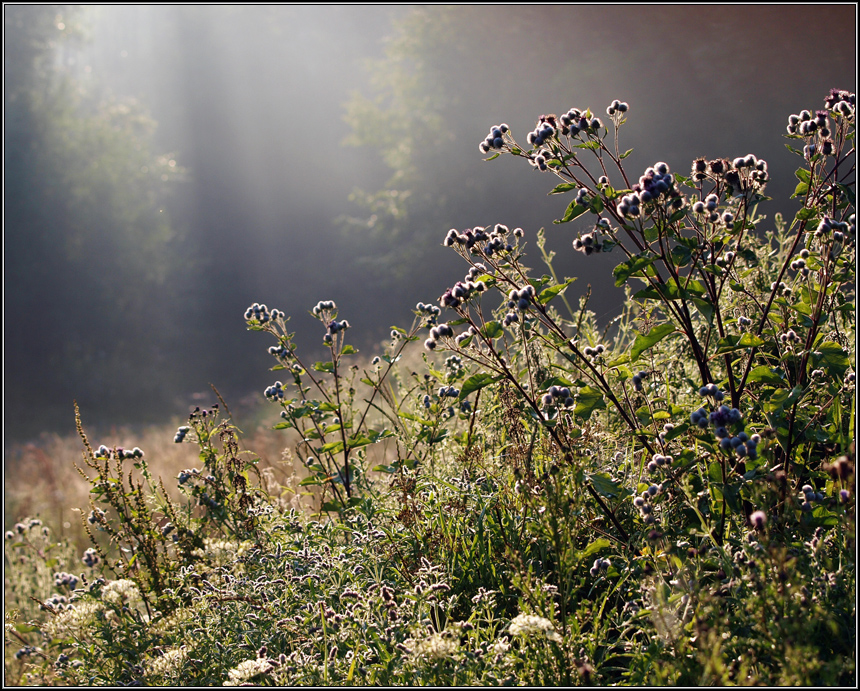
507, 494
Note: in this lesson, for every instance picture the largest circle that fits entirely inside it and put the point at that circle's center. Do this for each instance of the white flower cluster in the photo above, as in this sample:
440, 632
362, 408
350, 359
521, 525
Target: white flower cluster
120, 592
219, 550
171, 661
248, 670
434, 647
528, 624
75, 620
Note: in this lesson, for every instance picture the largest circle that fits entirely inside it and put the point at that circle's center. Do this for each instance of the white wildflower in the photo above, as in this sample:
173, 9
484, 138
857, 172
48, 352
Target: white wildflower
434, 647
121, 592
74, 621
220, 551
247, 670
170, 662
528, 624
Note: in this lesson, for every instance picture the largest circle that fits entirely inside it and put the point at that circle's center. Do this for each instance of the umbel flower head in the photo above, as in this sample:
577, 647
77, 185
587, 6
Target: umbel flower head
533, 625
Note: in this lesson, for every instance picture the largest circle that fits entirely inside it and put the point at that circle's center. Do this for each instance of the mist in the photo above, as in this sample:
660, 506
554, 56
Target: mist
167, 166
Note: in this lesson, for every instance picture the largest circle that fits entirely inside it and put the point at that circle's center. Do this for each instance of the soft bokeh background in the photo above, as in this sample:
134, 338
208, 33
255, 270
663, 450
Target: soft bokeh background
166, 166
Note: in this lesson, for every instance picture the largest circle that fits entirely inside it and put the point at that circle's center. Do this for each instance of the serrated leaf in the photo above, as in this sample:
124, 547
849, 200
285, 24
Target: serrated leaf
633, 265
802, 174
715, 472
588, 400
477, 382
594, 547
832, 356
645, 342
605, 486
764, 374
548, 294
732, 343
574, 210
492, 330
415, 418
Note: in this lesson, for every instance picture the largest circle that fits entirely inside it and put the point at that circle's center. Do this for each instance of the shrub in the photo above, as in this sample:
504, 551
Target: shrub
668, 500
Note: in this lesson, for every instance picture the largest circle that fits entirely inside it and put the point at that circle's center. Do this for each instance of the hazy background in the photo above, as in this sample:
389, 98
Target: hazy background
166, 166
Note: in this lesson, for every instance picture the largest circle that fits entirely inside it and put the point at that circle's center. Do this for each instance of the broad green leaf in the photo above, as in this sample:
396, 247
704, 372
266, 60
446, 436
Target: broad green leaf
324, 367
574, 210
548, 294
765, 374
605, 486
588, 401
477, 382
564, 187
633, 265
645, 342
492, 330
594, 547
706, 309
348, 350
715, 472
732, 343
415, 418
332, 447
832, 356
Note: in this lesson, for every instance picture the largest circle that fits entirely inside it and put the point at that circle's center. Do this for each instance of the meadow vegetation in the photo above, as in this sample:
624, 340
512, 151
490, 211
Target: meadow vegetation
506, 493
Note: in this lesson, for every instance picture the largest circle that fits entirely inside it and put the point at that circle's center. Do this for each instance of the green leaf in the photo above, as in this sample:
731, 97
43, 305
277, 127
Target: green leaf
564, 187
681, 255
492, 330
477, 382
494, 156
645, 342
574, 210
832, 356
715, 472
605, 486
732, 343
802, 174
633, 265
324, 367
332, 447
588, 401
706, 309
415, 418
625, 154
594, 547
348, 350
548, 294
765, 374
